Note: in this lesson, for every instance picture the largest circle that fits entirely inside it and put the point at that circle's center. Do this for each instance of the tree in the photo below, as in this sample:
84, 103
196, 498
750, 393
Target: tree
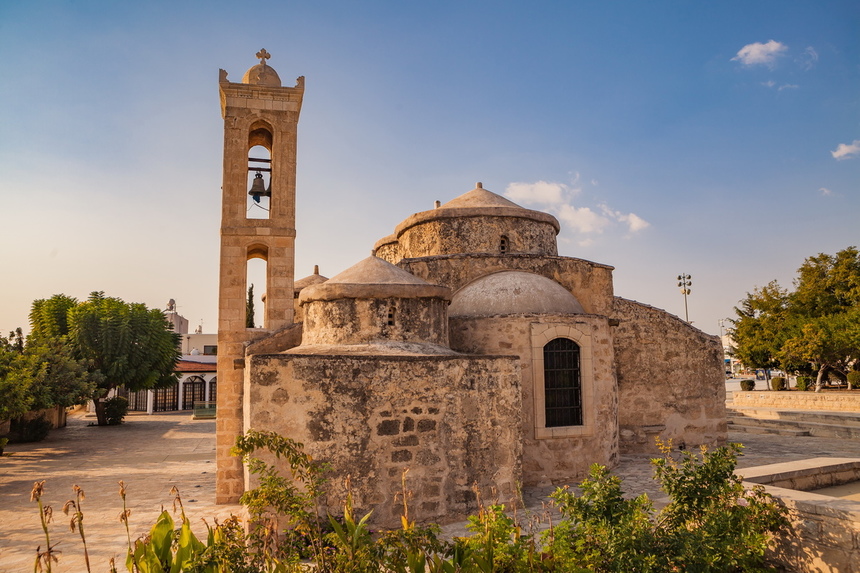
15, 396
814, 329
249, 308
41, 374
119, 343
762, 320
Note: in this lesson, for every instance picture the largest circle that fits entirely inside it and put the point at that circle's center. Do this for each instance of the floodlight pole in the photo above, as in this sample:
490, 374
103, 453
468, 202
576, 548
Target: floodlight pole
684, 283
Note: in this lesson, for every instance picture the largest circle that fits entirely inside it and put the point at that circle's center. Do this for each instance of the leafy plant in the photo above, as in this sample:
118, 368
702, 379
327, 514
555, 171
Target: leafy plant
116, 409
802, 383
747, 385
777, 383
854, 379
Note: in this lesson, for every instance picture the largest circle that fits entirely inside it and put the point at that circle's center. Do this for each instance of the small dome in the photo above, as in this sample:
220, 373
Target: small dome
513, 292
307, 281
262, 74
373, 278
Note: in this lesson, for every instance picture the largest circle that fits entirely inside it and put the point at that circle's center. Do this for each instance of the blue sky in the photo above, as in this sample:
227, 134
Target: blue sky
715, 138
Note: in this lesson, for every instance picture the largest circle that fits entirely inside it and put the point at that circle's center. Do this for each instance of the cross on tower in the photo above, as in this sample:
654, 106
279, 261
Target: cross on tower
263, 55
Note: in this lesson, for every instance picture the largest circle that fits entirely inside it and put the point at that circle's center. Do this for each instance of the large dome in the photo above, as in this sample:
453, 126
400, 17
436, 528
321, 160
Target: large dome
513, 292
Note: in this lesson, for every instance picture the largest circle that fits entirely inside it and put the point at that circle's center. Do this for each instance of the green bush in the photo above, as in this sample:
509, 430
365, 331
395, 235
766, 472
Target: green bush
804, 383
3, 442
33, 430
777, 383
712, 524
854, 379
747, 385
116, 409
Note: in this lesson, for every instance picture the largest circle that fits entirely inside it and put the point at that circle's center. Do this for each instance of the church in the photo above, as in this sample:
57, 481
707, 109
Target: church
464, 349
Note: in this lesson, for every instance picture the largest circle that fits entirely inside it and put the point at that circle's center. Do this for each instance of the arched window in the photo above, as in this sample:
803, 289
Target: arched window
562, 383
504, 245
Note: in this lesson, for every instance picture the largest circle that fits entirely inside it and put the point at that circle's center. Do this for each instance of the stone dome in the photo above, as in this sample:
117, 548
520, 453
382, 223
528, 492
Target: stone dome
262, 75
513, 292
309, 280
373, 303
477, 222
373, 278
479, 197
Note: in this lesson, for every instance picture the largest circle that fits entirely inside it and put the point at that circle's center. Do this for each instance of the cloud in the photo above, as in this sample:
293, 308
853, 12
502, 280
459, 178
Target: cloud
826, 192
846, 151
633, 221
772, 84
808, 58
557, 198
539, 192
760, 54
583, 219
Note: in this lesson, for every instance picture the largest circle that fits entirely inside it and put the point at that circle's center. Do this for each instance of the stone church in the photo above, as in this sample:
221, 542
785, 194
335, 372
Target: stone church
464, 349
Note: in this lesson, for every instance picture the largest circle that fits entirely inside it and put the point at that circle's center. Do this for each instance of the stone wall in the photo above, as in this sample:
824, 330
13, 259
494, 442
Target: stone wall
825, 531
452, 421
358, 321
796, 400
590, 283
558, 458
671, 382
480, 233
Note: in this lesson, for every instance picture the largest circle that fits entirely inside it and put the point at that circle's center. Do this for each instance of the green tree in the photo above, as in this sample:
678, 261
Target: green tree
15, 398
119, 343
41, 374
814, 329
249, 308
763, 320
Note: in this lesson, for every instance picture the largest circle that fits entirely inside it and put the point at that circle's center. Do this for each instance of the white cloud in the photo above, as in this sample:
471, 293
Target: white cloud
583, 219
557, 198
808, 58
769, 84
758, 53
542, 192
788, 87
846, 151
826, 192
633, 221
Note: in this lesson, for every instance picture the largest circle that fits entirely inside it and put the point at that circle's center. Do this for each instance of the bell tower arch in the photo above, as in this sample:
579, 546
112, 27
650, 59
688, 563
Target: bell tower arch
260, 223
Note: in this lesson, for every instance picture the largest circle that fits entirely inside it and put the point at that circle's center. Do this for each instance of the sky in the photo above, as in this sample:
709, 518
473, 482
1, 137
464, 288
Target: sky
719, 139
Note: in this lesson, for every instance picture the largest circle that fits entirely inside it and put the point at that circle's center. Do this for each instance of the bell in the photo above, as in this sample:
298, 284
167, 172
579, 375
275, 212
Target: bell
258, 188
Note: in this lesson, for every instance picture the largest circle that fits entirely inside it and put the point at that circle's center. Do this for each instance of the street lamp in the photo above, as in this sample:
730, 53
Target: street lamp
684, 282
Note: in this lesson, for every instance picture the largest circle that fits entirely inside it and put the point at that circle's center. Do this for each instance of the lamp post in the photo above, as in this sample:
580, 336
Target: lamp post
684, 282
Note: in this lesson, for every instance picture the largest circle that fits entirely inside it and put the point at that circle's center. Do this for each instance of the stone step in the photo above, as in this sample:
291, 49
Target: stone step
818, 416
817, 429
735, 427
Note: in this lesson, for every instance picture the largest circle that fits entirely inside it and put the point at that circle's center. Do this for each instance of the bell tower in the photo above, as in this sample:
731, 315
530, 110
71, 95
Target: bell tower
260, 118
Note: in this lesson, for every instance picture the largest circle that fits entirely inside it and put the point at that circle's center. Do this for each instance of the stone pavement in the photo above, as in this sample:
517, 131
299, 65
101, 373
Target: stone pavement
154, 453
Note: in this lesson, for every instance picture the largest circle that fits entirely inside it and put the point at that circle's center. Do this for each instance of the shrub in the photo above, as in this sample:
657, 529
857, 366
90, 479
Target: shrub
854, 379
803, 383
32, 430
3, 442
777, 383
747, 385
115, 410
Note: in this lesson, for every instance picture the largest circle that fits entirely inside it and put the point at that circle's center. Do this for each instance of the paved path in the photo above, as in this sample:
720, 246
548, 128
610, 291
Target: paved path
154, 453
150, 453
